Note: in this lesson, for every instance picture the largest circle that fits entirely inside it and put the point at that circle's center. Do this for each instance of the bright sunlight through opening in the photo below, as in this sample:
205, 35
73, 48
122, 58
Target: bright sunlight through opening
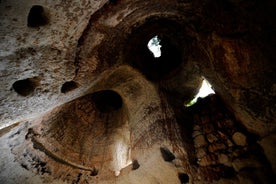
155, 47
204, 91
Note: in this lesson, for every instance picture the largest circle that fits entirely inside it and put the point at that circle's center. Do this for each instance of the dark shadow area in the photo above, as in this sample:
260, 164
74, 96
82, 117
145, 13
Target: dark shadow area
183, 177
37, 17
26, 86
173, 41
211, 116
135, 164
94, 172
184, 119
107, 100
69, 86
167, 155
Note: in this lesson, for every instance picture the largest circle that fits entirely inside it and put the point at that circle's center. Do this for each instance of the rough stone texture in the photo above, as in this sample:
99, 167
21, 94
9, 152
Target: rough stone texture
219, 157
45, 52
269, 144
200, 141
239, 164
58, 58
223, 159
211, 138
239, 139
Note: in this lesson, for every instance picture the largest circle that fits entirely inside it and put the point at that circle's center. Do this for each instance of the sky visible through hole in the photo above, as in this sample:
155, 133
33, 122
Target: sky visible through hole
205, 90
155, 47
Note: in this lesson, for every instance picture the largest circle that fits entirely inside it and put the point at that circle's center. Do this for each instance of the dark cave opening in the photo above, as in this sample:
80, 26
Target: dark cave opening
107, 100
135, 164
26, 86
170, 39
167, 155
69, 86
157, 68
183, 177
37, 17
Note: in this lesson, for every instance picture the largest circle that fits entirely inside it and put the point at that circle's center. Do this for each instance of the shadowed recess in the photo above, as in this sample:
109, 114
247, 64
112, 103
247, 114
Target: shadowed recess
37, 16
183, 177
94, 172
107, 100
26, 86
167, 155
135, 164
150, 40
69, 86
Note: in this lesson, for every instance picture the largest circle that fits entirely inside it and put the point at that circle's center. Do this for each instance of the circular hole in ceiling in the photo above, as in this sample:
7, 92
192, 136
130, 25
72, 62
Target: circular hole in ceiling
107, 100
154, 48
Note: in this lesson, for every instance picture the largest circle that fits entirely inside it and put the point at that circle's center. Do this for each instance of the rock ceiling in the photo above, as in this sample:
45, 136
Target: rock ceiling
83, 100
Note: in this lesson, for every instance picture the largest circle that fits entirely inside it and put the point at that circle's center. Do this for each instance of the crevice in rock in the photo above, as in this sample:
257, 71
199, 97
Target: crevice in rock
78, 179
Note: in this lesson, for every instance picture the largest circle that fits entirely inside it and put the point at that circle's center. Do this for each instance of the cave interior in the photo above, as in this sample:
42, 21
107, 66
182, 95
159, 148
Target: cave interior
84, 99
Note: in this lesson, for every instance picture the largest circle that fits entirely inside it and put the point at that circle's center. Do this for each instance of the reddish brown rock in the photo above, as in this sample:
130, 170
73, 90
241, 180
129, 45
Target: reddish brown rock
224, 159
196, 128
211, 138
216, 147
239, 164
208, 128
239, 139
200, 152
196, 133
207, 160
200, 141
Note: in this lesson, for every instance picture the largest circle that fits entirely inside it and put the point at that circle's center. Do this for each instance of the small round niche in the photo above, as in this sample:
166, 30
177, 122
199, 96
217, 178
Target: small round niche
68, 86
26, 86
183, 177
37, 17
107, 100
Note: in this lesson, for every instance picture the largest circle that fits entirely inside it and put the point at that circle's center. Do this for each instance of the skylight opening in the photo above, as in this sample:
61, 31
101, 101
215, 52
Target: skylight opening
205, 90
155, 47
